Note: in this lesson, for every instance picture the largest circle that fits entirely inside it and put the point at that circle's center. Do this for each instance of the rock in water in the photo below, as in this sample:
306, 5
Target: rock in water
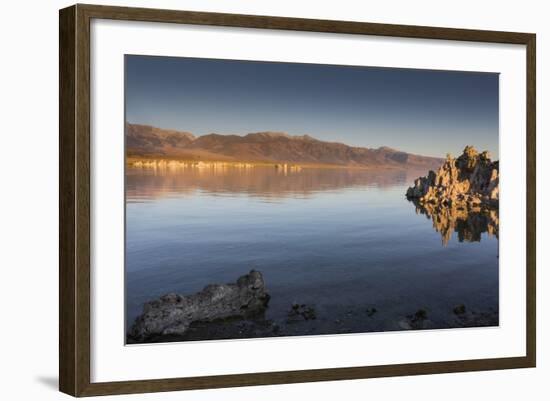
470, 180
172, 314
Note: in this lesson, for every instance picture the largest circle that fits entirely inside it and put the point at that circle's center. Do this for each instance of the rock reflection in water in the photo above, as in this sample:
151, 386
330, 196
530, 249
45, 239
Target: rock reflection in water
468, 223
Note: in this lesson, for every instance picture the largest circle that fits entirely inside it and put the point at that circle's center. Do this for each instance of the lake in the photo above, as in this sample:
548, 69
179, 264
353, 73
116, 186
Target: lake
345, 242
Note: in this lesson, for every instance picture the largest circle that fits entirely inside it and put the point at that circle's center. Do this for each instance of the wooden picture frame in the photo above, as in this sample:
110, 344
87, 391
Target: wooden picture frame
74, 199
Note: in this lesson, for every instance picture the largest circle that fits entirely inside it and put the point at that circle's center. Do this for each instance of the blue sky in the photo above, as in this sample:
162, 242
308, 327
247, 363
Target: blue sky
419, 111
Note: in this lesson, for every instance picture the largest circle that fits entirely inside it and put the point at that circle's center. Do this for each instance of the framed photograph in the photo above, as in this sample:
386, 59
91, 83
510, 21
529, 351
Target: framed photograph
250, 200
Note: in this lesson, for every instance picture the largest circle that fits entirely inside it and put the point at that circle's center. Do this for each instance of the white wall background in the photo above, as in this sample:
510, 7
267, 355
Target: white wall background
29, 184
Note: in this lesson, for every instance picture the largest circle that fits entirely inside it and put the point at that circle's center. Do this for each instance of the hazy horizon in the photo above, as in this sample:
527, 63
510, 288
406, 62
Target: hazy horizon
424, 112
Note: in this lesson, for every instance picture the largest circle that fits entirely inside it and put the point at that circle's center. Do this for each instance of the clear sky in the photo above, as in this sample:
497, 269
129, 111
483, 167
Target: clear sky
419, 111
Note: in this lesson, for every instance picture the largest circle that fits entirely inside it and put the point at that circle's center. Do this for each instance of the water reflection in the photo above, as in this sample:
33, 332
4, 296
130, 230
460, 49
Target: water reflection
344, 242
267, 182
469, 224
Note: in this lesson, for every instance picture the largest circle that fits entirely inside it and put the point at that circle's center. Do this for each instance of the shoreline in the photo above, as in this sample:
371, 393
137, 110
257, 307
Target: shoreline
358, 319
163, 162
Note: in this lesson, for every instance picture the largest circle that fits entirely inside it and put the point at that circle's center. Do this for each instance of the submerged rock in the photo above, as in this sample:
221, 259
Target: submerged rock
459, 309
172, 314
301, 312
419, 320
470, 318
470, 181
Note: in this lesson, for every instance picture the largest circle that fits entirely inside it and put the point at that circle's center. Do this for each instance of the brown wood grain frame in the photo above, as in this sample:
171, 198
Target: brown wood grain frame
74, 199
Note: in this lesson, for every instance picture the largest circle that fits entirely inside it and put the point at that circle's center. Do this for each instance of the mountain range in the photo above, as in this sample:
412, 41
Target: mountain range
144, 141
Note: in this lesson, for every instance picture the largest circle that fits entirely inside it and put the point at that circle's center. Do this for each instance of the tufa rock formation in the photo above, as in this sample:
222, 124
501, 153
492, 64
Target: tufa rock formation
461, 197
172, 314
469, 181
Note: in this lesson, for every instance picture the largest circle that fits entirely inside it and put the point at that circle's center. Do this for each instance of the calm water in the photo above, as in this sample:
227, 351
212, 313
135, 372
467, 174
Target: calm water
342, 241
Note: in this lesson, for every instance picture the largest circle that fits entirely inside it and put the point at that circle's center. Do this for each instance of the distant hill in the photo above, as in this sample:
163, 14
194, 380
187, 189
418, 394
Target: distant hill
147, 141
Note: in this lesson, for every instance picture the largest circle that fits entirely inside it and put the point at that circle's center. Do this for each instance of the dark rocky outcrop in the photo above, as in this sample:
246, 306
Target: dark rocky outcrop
471, 180
172, 314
